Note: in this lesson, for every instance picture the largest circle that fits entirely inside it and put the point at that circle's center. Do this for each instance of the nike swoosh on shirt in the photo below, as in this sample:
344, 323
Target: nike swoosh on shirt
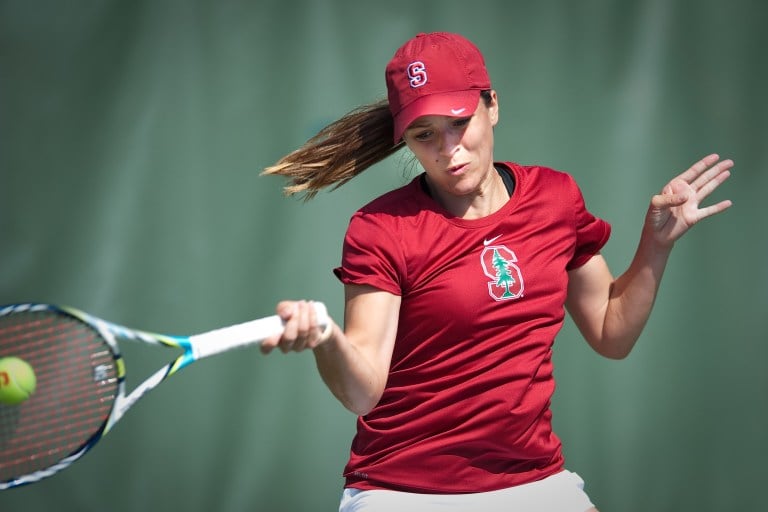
488, 242
457, 111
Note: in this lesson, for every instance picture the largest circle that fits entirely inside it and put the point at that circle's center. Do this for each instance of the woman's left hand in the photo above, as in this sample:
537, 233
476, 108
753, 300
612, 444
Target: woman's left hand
677, 208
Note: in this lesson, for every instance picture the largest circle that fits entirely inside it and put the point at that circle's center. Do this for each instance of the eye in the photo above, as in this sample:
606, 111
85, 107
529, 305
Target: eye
423, 135
462, 121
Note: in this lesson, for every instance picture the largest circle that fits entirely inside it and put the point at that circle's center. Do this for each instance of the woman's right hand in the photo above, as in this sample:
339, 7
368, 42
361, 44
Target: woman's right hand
302, 330
353, 362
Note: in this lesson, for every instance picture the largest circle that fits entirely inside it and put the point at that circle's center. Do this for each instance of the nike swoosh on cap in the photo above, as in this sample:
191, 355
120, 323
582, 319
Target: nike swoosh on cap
457, 111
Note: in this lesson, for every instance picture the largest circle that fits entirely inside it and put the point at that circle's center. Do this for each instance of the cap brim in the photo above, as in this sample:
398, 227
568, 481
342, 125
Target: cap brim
454, 104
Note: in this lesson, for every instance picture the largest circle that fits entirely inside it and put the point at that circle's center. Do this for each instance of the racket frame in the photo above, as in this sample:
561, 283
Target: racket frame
193, 348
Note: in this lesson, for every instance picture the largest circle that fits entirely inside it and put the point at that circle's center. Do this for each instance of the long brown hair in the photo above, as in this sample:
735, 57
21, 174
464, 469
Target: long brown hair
342, 150
339, 152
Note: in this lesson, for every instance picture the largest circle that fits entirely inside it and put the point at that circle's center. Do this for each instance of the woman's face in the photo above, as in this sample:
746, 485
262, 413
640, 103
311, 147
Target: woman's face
456, 152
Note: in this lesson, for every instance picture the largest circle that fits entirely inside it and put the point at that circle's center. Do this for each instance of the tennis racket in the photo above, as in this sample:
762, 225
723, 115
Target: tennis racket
80, 374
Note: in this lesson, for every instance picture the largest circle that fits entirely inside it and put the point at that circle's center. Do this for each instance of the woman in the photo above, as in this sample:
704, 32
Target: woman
455, 287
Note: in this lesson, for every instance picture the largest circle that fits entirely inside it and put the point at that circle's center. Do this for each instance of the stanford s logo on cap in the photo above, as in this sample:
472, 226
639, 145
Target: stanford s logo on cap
417, 74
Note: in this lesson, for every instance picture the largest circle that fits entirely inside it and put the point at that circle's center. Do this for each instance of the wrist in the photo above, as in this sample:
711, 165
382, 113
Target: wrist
328, 334
651, 242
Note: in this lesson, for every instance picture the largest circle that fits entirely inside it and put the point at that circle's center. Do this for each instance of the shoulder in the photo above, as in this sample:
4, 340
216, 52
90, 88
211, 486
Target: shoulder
537, 173
394, 209
540, 179
399, 201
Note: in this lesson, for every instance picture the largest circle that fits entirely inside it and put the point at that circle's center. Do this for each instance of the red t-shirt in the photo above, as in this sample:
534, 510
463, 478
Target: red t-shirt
467, 402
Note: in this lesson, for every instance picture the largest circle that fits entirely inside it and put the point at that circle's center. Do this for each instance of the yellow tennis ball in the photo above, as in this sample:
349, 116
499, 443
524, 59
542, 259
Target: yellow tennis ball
17, 380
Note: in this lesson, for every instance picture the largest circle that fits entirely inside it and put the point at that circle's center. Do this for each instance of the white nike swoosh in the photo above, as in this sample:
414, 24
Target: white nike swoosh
457, 111
488, 242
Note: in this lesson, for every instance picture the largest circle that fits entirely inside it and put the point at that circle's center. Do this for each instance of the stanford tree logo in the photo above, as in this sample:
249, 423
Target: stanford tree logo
506, 279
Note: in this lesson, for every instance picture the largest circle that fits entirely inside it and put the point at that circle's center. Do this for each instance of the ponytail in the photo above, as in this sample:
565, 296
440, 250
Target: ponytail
339, 152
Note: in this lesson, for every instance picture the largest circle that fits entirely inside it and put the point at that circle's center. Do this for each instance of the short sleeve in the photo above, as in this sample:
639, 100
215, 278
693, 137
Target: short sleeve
371, 254
592, 233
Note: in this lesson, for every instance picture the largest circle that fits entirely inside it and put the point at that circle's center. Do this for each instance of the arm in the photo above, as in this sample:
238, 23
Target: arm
611, 313
354, 362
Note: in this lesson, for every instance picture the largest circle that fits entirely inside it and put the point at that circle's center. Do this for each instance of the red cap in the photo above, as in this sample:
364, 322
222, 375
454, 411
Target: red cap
434, 74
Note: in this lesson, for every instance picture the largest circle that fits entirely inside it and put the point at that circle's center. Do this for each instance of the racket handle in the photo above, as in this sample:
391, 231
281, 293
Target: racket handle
248, 333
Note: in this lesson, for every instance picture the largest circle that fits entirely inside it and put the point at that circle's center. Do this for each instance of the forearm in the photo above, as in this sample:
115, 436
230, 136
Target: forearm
631, 298
348, 374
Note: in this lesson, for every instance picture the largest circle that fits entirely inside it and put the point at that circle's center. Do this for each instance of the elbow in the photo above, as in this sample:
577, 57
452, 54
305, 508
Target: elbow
613, 349
615, 355
359, 410
359, 399
361, 406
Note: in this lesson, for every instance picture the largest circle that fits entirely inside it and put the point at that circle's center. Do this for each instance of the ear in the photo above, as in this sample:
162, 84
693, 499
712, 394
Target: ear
493, 108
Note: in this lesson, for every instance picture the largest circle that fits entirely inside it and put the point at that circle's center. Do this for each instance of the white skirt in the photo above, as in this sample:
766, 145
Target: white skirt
561, 492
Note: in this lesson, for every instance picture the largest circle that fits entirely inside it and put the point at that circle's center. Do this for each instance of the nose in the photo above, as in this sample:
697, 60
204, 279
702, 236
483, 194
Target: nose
449, 142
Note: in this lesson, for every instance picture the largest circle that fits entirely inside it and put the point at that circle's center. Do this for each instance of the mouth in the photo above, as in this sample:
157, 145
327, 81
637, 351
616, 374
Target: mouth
457, 169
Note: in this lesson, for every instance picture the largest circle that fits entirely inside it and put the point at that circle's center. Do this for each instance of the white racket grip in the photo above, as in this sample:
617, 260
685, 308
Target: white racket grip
248, 333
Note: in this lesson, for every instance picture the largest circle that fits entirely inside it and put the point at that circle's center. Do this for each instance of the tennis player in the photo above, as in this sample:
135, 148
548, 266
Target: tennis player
455, 288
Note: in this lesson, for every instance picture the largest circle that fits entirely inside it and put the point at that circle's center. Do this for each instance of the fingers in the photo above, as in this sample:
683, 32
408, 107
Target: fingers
705, 171
668, 199
678, 207
708, 181
699, 167
698, 182
714, 209
301, 330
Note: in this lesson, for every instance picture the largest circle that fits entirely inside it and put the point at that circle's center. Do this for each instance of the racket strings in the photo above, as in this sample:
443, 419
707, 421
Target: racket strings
77, 382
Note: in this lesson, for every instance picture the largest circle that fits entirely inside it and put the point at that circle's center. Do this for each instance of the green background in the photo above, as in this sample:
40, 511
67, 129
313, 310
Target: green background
132, 135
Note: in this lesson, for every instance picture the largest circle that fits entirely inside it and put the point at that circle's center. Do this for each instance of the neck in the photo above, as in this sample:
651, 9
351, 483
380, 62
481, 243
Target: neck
489, 198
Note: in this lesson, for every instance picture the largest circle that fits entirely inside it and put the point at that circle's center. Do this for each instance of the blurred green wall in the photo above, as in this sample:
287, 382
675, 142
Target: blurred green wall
132, 134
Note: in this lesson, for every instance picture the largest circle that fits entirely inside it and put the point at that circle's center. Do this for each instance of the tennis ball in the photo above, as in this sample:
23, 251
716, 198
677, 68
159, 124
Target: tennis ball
17, 380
